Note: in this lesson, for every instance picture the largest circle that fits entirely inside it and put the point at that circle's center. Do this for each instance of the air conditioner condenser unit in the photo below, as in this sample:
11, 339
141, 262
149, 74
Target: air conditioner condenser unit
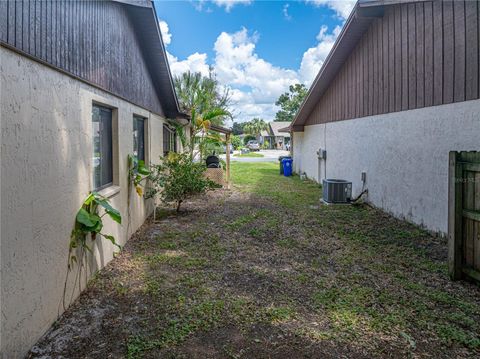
337, 191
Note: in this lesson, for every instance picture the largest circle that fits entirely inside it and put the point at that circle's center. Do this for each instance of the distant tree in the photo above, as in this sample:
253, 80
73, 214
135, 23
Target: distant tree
237, 128
207, 103
290, 102
236, 142
255, 127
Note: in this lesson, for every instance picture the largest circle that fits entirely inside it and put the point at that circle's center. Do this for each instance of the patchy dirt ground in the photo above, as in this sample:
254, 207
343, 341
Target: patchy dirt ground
264, 271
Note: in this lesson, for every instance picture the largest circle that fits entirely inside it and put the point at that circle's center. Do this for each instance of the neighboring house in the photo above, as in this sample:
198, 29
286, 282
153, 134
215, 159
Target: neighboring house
83, 84
274, 137
397, 93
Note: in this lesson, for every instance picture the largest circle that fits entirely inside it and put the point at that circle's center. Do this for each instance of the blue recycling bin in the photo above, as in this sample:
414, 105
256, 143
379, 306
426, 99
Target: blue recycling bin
280, 159
287, 166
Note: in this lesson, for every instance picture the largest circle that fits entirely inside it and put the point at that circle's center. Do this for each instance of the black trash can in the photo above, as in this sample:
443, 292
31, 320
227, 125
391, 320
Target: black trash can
212, 162
281, 164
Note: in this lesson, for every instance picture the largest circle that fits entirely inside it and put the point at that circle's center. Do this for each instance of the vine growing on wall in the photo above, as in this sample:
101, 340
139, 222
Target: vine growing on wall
89, 224
137, 173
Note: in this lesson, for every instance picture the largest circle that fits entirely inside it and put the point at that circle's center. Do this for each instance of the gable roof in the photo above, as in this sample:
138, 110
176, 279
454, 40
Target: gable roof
124, 56
144, 18
362, 15
276, 126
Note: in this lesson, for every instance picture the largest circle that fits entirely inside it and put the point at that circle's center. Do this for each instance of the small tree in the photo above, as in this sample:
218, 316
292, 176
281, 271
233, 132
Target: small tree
237, 128
290, 102
207, 103
255, 127
177, 178
236, 142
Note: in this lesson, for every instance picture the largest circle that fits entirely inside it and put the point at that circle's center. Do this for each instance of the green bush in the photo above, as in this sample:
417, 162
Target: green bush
177, 178
236, 142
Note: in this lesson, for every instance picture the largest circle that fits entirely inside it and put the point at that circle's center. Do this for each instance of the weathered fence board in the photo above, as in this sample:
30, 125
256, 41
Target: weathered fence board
464, 215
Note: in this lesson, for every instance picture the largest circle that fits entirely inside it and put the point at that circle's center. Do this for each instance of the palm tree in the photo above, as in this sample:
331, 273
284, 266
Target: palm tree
201, 97
255, 127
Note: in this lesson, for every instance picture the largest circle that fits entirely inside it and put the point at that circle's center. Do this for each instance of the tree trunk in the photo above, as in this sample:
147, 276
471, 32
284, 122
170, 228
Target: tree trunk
192, 143
179, 203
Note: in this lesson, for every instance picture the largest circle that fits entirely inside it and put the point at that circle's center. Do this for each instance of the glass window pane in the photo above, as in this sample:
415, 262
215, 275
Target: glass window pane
135, 138
96, 147
139, 138
102, 147
169, 140
166, 140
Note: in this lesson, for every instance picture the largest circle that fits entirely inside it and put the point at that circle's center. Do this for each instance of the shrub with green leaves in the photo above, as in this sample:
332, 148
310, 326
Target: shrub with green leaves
177, 178
236, 142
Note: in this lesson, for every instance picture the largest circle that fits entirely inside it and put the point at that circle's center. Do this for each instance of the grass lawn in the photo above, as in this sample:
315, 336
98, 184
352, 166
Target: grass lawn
265, 271
249, 154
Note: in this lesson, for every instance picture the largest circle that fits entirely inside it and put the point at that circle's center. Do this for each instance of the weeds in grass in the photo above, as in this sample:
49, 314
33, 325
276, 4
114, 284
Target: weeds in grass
176, 259
119, 287
287, 243
453, 334
196, 316
279, 314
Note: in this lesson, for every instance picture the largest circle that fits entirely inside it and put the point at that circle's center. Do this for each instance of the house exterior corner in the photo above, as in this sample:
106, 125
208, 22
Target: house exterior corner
404, 156
398, 92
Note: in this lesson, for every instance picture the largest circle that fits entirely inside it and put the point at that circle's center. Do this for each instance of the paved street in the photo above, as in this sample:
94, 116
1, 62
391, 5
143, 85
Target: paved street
268, 156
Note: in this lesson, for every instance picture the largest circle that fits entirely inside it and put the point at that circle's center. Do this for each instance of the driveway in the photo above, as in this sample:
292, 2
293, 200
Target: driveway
268, 156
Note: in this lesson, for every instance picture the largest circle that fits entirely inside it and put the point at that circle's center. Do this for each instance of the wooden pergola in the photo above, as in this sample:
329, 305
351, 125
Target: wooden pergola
227, 132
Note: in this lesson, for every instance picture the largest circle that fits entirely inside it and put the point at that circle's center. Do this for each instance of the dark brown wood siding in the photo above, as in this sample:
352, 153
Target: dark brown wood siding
93, 40
416, 55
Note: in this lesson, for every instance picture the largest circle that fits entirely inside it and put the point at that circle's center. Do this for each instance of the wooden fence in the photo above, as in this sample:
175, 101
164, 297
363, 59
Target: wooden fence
464, 215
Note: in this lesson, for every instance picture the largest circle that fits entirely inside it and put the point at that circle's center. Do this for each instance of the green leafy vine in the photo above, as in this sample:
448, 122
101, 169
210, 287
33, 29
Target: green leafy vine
137, 173
88, 221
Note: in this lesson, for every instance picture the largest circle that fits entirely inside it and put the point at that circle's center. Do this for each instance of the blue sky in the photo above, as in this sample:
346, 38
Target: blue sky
257, 48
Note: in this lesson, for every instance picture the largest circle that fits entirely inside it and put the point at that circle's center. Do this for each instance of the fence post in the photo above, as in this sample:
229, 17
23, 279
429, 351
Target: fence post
227, 147
454, 217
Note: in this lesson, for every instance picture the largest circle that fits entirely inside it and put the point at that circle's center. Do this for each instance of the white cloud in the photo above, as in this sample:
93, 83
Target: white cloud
164, 30
314, 57
341, 7
195, 62
239, 67
255, 84
286, 15
229, 4
237, 64
200, 5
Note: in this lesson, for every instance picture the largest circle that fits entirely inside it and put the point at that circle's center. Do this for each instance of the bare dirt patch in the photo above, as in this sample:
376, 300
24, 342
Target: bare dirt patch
264, 271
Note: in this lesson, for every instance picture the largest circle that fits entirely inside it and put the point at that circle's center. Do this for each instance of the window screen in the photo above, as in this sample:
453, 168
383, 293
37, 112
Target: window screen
102, 147
139, 137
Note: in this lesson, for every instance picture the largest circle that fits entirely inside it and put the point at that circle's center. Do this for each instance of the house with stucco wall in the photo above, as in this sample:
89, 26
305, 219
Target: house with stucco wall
83, 85
274, 138
398, 91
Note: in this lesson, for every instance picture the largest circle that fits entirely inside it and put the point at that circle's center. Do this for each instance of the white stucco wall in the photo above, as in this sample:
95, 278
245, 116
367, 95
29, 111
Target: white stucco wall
46, 173
404, 154
297, 148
